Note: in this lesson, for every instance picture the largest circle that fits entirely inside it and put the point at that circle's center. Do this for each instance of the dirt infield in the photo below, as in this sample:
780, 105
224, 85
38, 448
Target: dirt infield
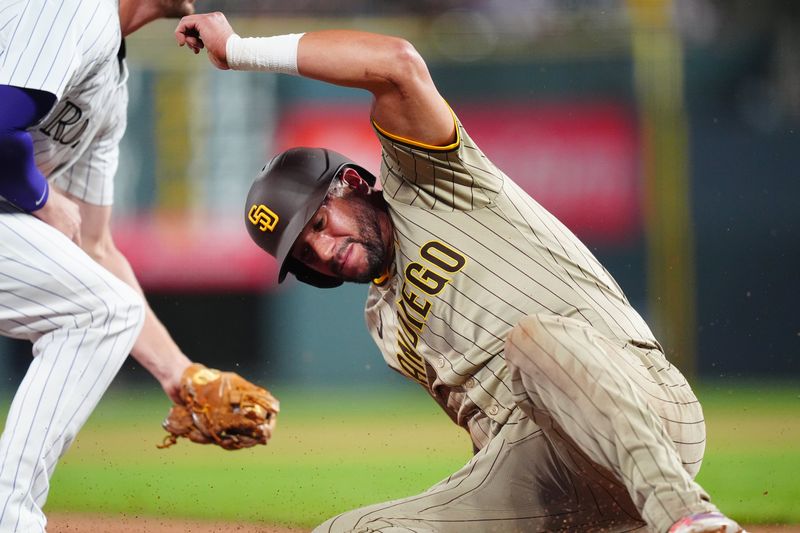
72, 523
75, 523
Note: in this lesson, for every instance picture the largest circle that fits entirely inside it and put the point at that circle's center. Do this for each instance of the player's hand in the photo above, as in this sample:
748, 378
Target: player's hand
209, 31
172, 386
61, 213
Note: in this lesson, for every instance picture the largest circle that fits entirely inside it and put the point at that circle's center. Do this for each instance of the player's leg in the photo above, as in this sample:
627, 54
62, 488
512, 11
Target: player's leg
624, 407
516, 483
82, 321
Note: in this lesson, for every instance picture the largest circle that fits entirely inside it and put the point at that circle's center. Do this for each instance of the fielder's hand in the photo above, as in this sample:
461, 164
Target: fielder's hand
221, 408
209, 31
61, 213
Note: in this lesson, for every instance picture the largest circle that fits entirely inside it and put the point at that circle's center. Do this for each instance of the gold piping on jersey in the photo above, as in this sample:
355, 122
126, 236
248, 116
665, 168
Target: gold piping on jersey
417, 144
380, 280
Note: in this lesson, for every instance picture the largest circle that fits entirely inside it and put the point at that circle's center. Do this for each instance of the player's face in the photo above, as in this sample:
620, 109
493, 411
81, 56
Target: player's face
177, 8
344, 240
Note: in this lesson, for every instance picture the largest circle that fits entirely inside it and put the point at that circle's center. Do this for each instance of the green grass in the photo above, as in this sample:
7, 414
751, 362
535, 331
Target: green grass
752, 461
336, 450
332, 451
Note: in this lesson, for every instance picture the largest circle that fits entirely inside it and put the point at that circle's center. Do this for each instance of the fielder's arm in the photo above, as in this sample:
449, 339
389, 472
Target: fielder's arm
21, 182
155, 349
406, 103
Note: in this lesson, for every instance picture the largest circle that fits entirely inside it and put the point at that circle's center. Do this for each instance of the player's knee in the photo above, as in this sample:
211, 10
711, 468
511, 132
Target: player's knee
526, 339
118, 309
129, 309
542, 344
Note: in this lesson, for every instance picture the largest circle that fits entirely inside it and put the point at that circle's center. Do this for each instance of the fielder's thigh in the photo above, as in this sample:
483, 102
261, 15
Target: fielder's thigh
516, 483
48, 283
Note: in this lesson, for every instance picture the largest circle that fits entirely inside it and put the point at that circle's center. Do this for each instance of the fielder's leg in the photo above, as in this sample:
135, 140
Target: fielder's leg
82, 321
626, 408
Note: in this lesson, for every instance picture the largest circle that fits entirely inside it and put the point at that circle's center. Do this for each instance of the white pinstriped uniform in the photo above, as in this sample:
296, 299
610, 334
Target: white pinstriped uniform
509, 322
69, 49
81, 319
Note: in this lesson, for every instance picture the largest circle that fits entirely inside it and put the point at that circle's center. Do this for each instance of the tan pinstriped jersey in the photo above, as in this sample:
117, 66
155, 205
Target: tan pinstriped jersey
474, 254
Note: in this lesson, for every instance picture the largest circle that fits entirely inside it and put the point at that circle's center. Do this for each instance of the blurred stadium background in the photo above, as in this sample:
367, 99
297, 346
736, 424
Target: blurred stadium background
665, 133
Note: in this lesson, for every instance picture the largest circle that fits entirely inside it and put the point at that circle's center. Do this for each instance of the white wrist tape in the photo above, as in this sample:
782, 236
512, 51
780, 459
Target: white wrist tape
264, 54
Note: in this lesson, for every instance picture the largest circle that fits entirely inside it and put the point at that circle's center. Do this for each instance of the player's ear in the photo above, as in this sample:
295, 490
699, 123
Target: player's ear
354, 181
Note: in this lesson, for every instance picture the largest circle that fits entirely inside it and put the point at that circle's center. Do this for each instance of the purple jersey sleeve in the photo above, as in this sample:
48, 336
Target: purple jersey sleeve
21, 183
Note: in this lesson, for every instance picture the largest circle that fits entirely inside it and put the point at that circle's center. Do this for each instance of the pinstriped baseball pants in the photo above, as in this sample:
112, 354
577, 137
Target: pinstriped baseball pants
607, 436
82, 322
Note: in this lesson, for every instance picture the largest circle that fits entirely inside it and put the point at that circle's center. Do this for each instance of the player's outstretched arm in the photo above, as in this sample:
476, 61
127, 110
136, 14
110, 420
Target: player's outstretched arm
407, 102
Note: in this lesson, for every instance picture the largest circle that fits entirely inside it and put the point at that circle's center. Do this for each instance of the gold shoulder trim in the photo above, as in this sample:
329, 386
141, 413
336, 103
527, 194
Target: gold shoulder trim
417, 144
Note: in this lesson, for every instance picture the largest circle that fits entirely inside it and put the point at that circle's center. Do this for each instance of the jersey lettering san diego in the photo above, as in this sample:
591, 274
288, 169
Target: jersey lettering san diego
422, 281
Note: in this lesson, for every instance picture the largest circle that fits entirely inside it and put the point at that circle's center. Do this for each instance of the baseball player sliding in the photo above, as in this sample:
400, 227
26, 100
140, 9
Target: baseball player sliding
63, 106
495, 308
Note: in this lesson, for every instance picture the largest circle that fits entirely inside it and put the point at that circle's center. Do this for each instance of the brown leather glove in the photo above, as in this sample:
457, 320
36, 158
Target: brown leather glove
221, 408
